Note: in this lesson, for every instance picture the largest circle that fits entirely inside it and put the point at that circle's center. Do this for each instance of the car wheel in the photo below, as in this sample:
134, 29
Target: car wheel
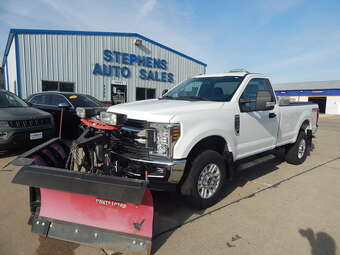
206, 179
296, 153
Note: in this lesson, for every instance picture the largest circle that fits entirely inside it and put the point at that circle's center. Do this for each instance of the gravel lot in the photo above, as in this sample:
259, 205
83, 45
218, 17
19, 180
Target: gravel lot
273, 208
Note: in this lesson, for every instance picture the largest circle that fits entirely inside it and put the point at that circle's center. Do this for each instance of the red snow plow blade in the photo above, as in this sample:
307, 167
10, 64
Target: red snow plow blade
108, 212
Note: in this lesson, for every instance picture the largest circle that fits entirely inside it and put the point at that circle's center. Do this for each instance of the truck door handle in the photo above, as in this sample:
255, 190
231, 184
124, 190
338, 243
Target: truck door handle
272, 115
237, 124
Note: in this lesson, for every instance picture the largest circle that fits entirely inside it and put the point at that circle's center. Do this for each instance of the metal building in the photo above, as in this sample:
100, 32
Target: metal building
122, 67
324, 93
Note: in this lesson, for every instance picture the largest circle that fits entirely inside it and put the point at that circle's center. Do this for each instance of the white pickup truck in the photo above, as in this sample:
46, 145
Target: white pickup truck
191, 139
206, 124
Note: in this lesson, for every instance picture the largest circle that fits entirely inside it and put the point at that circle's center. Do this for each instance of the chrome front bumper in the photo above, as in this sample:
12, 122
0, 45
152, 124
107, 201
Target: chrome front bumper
175, 167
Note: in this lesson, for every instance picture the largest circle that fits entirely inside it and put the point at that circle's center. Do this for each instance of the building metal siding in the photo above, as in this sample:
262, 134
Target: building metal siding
308, 85
331, 97
71, 58
315, 90
333, 105
11, 71
309, 92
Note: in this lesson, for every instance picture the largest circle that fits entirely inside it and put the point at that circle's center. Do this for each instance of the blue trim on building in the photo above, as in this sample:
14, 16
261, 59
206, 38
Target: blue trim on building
8, 46
68, 32
7, 78
17, 57
309, 92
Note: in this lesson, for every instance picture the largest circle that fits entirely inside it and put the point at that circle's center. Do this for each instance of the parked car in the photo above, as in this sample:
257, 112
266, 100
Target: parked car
21, 124
53, 101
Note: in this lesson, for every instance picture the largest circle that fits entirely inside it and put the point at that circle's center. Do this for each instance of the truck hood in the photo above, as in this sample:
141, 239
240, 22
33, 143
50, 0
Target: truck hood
22, 113
164, 110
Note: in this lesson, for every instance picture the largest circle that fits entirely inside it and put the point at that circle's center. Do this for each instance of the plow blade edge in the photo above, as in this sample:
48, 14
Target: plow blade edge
103, 211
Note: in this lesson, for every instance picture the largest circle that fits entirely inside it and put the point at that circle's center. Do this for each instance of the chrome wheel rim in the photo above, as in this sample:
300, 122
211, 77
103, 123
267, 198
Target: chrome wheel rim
208, 181
302, 148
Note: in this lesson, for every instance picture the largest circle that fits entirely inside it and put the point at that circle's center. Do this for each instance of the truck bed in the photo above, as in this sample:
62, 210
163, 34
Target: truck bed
291, 119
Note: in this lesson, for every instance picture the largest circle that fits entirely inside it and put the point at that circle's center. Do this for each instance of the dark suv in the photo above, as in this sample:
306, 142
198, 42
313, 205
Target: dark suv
21, 124
54, 101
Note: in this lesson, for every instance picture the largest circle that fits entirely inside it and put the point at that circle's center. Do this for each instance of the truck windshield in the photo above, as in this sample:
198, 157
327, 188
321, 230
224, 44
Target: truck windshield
206, 88
8, 99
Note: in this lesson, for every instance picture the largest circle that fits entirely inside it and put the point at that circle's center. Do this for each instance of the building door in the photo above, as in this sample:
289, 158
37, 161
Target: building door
118, 93
321, 101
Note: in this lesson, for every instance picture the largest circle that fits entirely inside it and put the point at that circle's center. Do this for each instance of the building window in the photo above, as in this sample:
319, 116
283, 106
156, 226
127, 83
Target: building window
145, 93
66, 86
57, 86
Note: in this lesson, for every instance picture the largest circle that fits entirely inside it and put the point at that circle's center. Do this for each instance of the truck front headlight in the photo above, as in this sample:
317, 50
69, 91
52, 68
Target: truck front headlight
108, 118
113, 119
81, 112
166, 137
88, 112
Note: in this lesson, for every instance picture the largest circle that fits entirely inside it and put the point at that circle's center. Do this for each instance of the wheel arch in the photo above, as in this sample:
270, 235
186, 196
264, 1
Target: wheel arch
212, 142
304, 125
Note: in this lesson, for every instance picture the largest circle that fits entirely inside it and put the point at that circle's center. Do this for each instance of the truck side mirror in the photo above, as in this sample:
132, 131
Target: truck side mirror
164, 92
64, 106
247, 104
264, 100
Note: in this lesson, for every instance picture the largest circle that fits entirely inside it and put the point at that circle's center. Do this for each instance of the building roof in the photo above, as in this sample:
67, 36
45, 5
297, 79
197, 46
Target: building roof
307, 85
14, 32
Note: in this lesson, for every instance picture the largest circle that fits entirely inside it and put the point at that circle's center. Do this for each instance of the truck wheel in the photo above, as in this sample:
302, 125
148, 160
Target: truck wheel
206, 179
297, 152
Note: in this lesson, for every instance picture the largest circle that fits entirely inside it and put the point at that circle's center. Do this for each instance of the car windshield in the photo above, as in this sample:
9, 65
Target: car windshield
8, 99
83, 101
206, 88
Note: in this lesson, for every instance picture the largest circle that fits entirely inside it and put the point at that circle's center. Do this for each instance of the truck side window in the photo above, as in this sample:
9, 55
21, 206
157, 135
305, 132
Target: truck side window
250, 91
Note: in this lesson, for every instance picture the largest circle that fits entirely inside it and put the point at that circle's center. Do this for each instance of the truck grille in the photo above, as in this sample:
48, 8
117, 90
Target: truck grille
29, 123
140, 124
129, 141
130, 145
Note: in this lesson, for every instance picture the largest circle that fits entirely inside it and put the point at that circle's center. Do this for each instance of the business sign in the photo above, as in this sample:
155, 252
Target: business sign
154, 69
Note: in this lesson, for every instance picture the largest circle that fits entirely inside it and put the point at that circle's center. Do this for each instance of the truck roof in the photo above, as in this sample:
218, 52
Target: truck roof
234, 72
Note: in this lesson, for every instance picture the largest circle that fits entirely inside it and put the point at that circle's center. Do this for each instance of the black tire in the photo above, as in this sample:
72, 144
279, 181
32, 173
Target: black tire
190, 186
292, 151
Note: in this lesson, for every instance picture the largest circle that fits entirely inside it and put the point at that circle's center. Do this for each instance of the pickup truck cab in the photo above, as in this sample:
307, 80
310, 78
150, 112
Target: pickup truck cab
208, 123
